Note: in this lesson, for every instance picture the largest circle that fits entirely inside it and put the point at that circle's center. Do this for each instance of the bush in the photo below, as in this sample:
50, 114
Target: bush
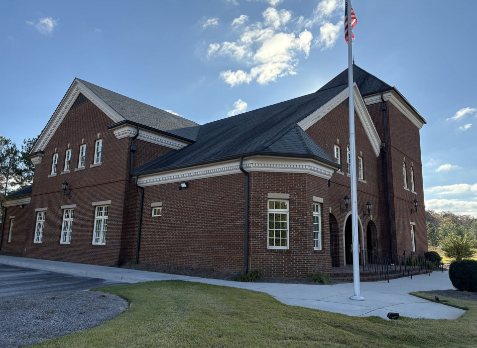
252, 276
434, 257
458, 248
319, 278
463, 275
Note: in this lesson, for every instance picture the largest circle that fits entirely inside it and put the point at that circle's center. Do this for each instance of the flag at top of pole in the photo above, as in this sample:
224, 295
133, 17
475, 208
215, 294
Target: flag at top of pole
350, 17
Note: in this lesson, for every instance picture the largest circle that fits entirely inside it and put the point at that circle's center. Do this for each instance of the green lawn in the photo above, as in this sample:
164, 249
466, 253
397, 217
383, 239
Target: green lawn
183, 314
447, 260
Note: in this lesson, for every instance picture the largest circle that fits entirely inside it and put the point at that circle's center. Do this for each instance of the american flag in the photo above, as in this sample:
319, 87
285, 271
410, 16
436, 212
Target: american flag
353, 21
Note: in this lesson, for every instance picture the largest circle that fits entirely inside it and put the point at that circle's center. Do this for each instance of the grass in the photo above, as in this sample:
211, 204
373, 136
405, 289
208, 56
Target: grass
447, 260
183, 314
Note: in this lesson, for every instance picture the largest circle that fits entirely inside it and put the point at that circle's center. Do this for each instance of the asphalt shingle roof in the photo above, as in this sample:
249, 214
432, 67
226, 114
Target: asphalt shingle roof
26, 191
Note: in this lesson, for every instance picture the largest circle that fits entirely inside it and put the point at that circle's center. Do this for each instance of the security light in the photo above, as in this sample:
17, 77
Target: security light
183, 185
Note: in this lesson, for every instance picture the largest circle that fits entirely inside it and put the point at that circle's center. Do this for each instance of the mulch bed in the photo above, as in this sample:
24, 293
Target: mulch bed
461, 295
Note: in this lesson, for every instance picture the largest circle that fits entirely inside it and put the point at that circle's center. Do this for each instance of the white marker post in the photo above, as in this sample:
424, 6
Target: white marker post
354, 192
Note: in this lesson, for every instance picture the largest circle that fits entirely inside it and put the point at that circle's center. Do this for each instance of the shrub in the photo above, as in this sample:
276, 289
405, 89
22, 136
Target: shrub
319, 278
458, 248
434, 257
463, 275
252, 276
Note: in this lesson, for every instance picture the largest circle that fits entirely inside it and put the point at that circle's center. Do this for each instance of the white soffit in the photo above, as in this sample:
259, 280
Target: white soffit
360, 109
15, 202
127, 131
58, 116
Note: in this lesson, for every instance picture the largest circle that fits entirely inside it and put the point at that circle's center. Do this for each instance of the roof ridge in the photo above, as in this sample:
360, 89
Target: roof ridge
300, 135
377, 78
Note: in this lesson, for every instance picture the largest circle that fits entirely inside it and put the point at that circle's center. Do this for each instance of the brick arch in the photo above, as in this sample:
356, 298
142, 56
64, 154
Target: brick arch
334, 241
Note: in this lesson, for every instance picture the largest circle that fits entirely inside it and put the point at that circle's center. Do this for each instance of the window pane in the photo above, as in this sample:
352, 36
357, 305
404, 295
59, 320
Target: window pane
106, 209
283, 205
271, 217
277, 205
271, 242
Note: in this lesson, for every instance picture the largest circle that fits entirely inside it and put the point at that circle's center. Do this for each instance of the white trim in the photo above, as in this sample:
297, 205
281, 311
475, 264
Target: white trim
251, 164
36, 159
94, 165
95, 204
39, 227
393, 97
69, 98
320, 224
156, 211
156, 204
40, 209
72, 206
413, 223
67, 227
278, 196
318, 200
282, 212
128, 131
18, 201
360, 109
11, 217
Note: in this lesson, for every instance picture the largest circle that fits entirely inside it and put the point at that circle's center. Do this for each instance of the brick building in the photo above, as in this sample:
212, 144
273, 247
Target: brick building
120, 181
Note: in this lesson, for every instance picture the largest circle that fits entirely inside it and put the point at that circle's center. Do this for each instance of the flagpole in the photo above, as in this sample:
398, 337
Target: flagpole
354, 194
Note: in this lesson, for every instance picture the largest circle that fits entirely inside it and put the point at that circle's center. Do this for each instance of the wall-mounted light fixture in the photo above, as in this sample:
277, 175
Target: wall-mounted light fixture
183, 185
369, 207
416, 205
64, 187
347, 200
22, 206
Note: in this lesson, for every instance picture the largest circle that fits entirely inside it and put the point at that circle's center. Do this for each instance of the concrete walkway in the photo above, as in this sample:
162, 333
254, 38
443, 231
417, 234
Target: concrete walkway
380, 297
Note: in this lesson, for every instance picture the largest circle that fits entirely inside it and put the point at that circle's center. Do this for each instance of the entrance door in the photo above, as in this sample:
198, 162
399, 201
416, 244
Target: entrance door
349, 241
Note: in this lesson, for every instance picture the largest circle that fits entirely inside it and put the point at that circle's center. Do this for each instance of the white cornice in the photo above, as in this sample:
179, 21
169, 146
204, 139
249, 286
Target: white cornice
253, 164
36, 159
58, 116
395, 100
18, 201
128, 131
360, 109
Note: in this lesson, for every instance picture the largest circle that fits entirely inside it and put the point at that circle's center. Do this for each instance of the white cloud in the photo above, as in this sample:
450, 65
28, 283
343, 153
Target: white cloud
325, 9
461, 113
271, 2
446, 168
240, 107
452, 205
212, 22
465, 127
97, 30
274, 18
172, 112
329, 33
235, 78
213, 48
44, 25
452, 189
239, 21
234, 50
233, 2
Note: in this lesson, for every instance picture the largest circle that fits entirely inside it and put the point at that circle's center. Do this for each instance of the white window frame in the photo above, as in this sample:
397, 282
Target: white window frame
82, 156
67, 226
348, 159
360, 168
337, 153
39, 227
101, 221
54, 164
98, 151
317, 228
281, 212
413, 186
404, 174
10, 230
156, 211
413, 238
67, 160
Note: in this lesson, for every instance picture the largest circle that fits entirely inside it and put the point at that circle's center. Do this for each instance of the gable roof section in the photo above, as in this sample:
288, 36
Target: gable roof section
118, 108
26, 191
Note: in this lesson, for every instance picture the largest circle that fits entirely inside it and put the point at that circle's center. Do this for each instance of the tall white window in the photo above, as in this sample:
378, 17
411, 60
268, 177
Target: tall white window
360, 168
317, 226
82, 156
67, 226
54, 163
413, 188
413, 238
277, 224
67, 160
39, 227
97, 151
348, 159
404, 174
10, 231
100, 225
337, 154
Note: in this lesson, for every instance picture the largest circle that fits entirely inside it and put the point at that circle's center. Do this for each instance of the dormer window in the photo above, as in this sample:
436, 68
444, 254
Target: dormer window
54, 164
98, 151
67, 160
404, 174
82, 156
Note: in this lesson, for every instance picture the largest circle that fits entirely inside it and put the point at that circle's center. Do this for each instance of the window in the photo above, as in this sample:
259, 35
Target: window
404, 173
54, 163
360, 168
10, 231
277, 224
39, 227
82, 156
97, 151
100, 225
67, 226
337, 154
413, 238
67, 161
317, 226
413, 188
157, 211
348, 159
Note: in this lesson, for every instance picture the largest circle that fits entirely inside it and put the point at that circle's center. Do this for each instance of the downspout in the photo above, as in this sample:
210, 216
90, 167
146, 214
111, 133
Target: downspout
140, 221
4, 218
388, 187
247, 186
133, 149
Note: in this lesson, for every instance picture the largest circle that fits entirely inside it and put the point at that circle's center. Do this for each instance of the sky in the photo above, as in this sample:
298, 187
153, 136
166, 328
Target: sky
210, 59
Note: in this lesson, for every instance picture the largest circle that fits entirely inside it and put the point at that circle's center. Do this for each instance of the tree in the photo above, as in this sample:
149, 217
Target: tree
432, 235
9, 158
458, 247
25, 169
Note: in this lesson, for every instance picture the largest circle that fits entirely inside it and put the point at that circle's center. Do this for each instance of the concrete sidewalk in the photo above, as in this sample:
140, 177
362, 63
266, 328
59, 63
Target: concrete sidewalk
380, 297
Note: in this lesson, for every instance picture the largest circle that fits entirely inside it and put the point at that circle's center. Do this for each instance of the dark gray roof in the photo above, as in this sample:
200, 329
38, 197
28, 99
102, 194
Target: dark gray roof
26, 191
141, 113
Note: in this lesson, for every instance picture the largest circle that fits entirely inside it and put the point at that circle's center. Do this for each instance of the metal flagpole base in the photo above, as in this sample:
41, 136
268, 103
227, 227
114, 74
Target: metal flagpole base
357, 298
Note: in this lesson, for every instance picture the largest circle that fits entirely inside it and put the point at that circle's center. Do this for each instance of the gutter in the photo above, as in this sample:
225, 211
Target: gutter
247, 189
132, 150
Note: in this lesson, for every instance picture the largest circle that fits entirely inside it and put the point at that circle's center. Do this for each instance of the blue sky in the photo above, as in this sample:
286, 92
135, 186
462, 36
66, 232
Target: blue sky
209, 59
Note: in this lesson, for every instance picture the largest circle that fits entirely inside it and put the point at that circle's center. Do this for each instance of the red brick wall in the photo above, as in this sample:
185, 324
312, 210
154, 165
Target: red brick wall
22, 226
147, 152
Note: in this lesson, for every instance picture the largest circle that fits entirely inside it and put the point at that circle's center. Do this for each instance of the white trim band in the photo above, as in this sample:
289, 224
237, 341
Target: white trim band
318, 199
72, 206
279, 195
101, 203
37, 210
156, 204
19, 201
128, 131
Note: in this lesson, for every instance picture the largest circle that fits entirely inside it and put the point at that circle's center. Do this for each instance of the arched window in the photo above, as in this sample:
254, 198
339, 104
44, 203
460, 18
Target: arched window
404, 174
413, 188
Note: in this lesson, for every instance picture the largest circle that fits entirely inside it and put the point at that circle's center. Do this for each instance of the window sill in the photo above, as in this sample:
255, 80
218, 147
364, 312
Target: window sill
278, 248
98, 244
37, 242
316, 249
95, 165
348, 175
65, 172
339, 172
80, 168
363, 181
406, 189
64, 243
414, 192
52, 175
